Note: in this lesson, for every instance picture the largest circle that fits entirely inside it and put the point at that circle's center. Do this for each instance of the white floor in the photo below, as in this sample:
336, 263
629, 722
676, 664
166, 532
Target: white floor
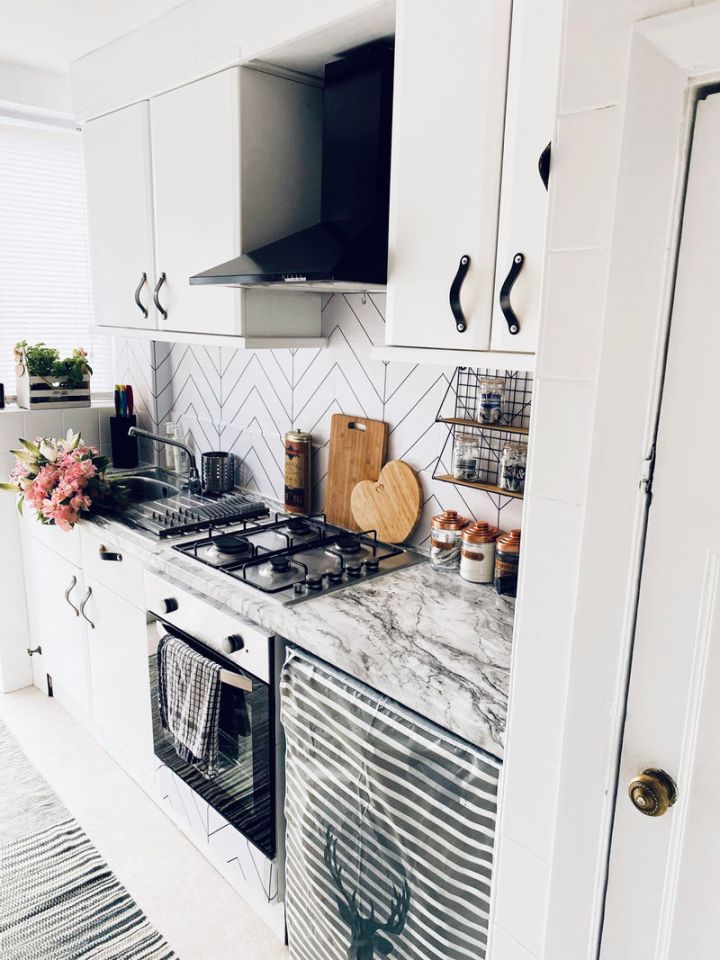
198, 913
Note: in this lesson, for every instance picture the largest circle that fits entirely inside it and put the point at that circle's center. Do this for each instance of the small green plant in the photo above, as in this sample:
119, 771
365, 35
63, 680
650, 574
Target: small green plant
43, 361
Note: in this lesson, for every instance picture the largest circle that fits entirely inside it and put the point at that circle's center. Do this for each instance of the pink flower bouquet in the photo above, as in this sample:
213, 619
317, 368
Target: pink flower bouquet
63, 480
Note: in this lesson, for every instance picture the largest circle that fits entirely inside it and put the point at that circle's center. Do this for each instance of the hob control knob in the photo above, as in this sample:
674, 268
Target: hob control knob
232, 644
353, 569
170, 604
372, 565
314, 581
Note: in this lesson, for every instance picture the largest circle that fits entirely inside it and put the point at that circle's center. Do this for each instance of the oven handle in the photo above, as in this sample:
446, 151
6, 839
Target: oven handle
238, 680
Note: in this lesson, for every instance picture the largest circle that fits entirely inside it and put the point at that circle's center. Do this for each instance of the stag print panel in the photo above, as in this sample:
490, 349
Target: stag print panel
390, 826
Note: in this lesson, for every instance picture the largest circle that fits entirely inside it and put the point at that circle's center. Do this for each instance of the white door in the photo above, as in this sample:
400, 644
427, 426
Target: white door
664, 881
196, 172
55, 594
449, 106
119, 195
529, 123
119, 676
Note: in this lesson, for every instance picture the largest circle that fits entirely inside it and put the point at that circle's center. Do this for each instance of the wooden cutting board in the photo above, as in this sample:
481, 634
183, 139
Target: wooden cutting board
392, 505
357, 452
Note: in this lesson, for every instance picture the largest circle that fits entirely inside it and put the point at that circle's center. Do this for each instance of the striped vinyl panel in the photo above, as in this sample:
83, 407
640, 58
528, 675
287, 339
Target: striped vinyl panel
390, 826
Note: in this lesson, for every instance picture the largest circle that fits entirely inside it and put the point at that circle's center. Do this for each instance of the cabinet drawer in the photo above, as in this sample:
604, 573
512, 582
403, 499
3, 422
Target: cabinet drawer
106, 561
64, 543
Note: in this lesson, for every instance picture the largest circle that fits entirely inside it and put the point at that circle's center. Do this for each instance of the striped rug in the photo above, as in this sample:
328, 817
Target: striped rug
58, 899
390, 826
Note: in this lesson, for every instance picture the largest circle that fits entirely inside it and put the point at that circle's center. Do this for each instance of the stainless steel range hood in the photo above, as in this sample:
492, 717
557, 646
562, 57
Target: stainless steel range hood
348, 248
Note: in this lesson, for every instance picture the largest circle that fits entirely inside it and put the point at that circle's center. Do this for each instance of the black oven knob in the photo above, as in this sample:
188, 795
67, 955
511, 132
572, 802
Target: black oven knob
314, 581
372, 565
171, 604
353, 569
335, 576
232, 644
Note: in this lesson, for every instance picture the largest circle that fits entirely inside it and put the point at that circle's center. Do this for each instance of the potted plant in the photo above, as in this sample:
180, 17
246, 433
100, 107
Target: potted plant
45, 380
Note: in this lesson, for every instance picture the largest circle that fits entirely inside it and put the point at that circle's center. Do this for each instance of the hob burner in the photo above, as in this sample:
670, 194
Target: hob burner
346, 543
231, 545
280, 564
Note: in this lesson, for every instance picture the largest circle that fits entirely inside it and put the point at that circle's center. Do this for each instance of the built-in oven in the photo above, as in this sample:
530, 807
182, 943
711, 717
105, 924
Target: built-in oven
246, 790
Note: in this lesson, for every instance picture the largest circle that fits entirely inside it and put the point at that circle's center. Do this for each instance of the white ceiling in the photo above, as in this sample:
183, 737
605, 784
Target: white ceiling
50, 34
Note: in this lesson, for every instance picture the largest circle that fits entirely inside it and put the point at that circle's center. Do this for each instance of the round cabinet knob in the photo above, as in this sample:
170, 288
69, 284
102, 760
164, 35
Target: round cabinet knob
653, 792
232, 644
171, 604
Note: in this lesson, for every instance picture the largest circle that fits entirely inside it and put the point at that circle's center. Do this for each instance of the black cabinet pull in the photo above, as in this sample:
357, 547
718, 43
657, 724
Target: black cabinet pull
143, 281
455, 289
33, 650
544, 164
505, 291
156, 291
109, 555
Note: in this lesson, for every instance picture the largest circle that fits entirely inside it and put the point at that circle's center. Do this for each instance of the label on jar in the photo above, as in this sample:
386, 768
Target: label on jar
443, 544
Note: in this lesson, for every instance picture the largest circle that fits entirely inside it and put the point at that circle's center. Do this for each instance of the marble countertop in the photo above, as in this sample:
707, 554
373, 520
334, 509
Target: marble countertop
433, 642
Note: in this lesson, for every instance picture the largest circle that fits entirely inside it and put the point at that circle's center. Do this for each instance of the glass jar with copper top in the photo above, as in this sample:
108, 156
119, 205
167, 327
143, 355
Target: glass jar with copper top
507, 562
445, 531
477, 553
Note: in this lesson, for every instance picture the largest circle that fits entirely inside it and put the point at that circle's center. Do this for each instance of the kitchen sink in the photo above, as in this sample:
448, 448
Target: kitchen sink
151, 483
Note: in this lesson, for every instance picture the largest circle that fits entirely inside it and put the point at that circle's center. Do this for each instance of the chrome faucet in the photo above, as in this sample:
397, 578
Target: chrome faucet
192, 483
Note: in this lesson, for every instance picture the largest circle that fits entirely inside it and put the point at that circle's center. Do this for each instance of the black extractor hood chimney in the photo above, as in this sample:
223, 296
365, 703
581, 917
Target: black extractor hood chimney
348, 248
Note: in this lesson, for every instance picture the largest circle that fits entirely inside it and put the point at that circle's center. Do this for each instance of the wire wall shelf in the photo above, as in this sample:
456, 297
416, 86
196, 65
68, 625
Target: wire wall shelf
460, 411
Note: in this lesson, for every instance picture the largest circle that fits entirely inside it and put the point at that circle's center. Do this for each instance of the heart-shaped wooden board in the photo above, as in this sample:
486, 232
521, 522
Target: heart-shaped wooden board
391, 505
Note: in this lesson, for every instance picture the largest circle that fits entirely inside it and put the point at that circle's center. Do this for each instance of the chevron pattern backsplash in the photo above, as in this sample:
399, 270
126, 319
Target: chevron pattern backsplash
245, 400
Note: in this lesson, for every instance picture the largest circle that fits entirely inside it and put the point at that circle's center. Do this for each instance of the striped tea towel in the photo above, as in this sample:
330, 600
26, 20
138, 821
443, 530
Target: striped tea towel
189, 698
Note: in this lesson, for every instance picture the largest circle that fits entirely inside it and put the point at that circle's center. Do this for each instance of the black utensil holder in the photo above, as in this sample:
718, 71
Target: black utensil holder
124, 448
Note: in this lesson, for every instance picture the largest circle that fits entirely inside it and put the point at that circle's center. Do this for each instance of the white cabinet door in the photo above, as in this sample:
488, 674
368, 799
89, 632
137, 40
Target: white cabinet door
449, 105
196, 172
55, 592
228, 151
529, 122
119, 677
119, 196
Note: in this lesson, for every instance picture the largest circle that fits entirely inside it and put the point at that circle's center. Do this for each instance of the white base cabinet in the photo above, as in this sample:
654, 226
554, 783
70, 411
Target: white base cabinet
89, 619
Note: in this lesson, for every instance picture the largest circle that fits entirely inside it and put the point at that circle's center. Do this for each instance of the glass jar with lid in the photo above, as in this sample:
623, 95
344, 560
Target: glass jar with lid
491, 391
477, 555
466, 456
512, 467
507, 562
445, 533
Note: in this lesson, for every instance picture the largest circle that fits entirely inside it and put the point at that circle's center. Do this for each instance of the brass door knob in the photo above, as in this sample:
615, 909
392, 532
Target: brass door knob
653, 792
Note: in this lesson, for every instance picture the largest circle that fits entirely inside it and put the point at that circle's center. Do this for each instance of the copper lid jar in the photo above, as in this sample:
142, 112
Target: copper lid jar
477, 554
507, 560
445, 531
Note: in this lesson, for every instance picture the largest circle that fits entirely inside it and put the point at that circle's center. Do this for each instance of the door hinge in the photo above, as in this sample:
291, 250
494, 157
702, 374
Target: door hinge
647, 473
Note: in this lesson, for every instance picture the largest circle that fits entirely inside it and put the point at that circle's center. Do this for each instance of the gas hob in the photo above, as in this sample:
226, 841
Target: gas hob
291, 559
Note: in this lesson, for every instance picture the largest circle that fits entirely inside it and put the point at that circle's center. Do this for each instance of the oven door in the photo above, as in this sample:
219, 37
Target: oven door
243, 791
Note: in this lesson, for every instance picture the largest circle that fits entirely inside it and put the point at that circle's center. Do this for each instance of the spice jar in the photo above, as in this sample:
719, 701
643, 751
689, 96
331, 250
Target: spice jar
512, 467
445, 531
477, 554
507, 559
466, 456
490, 396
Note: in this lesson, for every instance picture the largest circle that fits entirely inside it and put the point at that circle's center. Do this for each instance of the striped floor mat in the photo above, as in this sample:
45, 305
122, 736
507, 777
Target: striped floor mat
58, 899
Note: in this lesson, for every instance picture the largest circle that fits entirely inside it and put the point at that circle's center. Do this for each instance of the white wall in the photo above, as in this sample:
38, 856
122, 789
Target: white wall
35, 89
576, 569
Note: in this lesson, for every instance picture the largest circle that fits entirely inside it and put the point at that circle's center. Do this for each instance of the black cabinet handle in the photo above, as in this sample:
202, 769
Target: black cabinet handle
156, 291
455, 289
109, 555
505, 291
33, 650
544, 164
143, 281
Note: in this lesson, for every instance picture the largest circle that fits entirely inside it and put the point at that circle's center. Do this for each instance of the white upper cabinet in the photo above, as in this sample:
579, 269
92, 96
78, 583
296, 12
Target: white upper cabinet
449, 105
236, 164
119, 197
530, 116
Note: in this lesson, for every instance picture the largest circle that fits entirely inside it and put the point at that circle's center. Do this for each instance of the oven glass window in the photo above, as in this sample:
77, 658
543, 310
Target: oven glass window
242, 791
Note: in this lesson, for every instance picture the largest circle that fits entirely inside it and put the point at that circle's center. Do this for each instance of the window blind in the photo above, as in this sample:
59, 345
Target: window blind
44, 257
